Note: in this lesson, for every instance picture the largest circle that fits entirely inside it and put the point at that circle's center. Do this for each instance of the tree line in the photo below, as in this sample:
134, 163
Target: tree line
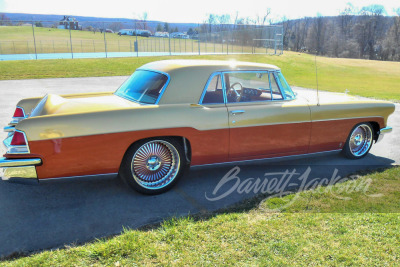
366, 33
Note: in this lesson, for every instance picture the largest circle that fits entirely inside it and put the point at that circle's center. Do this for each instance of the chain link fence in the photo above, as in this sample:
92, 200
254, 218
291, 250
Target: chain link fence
72, 39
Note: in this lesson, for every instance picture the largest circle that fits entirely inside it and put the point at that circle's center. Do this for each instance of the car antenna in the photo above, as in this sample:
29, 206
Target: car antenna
316, 76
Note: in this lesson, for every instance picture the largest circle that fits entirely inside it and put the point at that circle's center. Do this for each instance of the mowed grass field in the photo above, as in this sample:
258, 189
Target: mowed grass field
19, 40
377, 79
338, 225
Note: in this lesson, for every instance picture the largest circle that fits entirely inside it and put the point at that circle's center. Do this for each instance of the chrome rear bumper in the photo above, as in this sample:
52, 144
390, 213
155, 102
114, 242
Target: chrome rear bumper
22, 170
382, 132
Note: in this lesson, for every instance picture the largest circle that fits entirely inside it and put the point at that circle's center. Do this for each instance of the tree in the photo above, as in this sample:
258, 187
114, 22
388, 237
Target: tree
159, 28
143, 21
4, 20
116, 26
369, 29
166, 27
318, 35
38, 24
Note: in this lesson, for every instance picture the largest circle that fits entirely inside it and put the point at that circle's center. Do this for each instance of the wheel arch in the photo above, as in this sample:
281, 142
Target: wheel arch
183, 141
376, 128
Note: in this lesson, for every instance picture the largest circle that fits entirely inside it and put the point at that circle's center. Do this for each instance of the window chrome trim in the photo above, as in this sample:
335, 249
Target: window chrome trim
222, 78
206, 86
161, 91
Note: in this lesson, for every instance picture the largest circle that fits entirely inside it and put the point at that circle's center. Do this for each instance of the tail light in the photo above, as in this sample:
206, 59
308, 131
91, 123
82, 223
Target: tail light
18, 139
19, 113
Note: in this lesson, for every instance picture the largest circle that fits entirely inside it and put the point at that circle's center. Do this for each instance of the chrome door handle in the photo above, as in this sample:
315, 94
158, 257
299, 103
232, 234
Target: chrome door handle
237, 112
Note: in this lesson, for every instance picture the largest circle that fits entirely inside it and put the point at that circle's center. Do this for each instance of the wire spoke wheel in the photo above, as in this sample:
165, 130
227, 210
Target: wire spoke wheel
155, 164
360, 140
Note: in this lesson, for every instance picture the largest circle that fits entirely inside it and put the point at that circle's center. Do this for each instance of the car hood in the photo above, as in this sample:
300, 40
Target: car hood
54, 104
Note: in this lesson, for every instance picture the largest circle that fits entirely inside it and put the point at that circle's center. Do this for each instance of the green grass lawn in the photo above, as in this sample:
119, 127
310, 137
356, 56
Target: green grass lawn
318, 229
367, 78
19, 40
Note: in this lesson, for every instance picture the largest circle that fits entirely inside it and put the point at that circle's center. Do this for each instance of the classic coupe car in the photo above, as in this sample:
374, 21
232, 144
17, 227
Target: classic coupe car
173, 114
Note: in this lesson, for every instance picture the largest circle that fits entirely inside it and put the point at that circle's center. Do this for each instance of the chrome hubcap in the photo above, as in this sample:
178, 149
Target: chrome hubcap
155, 164
360, 140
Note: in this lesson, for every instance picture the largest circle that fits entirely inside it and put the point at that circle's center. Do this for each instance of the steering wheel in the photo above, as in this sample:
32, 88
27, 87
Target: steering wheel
232, 89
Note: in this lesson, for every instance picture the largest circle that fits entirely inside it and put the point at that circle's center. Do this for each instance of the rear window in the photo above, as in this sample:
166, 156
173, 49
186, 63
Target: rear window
143, 86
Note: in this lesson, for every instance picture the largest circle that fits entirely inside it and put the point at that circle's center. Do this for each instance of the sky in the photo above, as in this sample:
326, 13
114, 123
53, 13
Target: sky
188, 11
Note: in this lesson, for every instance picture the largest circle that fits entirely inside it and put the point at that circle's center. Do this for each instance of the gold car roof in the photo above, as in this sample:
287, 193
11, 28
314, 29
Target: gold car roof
189, 77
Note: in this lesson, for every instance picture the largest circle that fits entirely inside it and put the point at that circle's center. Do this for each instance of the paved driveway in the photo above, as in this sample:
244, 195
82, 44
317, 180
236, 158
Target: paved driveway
55, 213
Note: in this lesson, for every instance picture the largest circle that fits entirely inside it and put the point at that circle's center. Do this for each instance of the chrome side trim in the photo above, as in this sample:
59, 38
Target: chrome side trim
269, 159
76, 177
382, 132
347, 118
5, 162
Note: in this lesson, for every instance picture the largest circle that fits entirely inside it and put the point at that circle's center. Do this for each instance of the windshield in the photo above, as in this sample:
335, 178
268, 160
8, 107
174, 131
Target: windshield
143, 86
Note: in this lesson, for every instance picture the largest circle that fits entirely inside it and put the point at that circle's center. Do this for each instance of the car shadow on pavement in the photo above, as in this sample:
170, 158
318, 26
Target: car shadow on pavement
57, 213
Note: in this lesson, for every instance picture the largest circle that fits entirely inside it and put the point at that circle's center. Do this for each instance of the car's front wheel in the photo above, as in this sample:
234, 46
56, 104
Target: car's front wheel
153, 166
359, 141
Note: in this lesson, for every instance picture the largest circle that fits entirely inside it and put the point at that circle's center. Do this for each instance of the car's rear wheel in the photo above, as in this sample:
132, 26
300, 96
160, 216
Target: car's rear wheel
153, 166
359, 141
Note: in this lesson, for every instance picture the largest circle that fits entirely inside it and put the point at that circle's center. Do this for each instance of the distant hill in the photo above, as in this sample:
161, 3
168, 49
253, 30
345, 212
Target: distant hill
96, 22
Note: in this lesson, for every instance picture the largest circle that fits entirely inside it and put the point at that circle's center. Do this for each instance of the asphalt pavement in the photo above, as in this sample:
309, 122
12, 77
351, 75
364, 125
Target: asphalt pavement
63, 212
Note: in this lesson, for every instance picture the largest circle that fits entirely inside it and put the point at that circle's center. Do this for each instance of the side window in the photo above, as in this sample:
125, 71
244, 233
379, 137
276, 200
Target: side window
214, 94
247, 86
275, 92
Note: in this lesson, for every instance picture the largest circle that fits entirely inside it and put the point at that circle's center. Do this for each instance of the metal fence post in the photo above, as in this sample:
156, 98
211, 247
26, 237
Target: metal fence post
70, 40
169, 43
282, 32
205, 42
227, 42
34, 39
137, 43
275, 39
198, 37
105, 41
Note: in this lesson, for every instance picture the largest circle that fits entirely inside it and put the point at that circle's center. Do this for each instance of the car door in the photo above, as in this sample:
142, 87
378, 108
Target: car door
265, 118
211, 115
